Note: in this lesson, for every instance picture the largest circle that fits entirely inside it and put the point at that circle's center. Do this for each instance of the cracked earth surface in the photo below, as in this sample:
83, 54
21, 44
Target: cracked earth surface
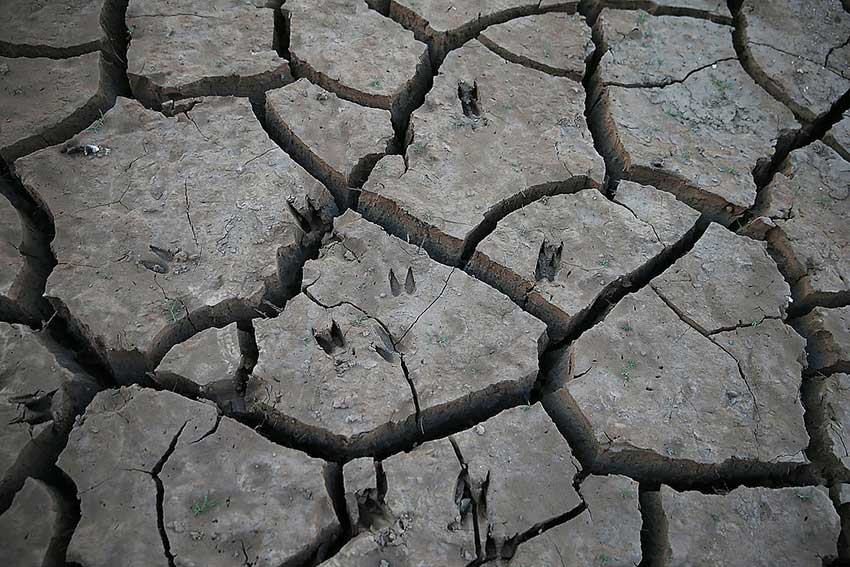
408, 283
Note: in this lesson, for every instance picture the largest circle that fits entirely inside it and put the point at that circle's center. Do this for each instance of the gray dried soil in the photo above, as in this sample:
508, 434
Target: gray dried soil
406, 283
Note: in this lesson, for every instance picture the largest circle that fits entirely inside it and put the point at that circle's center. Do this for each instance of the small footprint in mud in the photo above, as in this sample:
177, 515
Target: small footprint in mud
157, 263
331, 338
548, 261
409, 283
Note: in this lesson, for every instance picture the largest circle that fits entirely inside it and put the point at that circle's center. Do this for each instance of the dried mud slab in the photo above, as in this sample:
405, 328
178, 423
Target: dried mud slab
114, 456
828, 334
726, 281
517, 484
170, 223
182, 48
809, 203
32, 393
751, 526
646, 50
26, 528
529, 473
419, 519
713, 6
836, 408
484, 136
567, 249
353, 51
210, 356
841, 133
146, 491
555, 43
380, 329
53, 29
527, 466
268, 506
46, 101
321, 366
338, 140
647, 362
705, 122
608, 533
11, 259
801, 47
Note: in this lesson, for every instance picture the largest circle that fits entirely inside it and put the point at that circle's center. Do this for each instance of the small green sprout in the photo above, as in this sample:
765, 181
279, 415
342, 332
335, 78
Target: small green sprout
642, 17
98, 123
202, 506
627, 370
375, 84
173, 308
722, 85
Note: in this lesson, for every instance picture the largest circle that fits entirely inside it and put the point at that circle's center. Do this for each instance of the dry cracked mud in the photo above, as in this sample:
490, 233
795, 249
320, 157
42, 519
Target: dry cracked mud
397, 283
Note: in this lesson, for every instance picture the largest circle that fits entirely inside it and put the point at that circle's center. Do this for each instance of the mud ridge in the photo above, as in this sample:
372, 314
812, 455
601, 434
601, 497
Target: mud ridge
452, 251
813, 127
112, 81
521, 291
397, 222
253, 87
527, 61
664, 10
303, 70
819, 450
716, 208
